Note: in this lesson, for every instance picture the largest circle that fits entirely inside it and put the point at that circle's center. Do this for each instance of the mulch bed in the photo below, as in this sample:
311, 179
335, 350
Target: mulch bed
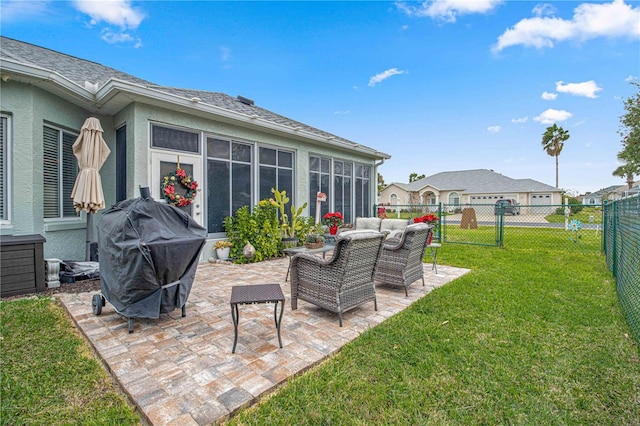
76, 287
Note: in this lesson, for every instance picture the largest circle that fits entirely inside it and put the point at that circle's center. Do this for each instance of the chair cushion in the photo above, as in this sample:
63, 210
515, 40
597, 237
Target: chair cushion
372, 223
394, 224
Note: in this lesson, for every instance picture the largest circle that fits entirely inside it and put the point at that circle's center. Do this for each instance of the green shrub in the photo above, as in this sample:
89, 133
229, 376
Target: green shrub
574, 205
260, 227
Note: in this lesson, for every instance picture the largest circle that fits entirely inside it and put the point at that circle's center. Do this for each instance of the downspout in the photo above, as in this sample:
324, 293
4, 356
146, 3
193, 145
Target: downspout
375, 170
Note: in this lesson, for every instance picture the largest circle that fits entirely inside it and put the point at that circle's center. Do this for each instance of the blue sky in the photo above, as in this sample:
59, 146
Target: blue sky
440, 86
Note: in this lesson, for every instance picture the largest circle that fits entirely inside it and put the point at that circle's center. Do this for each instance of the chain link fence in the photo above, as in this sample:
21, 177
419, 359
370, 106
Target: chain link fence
622, 249
553, 227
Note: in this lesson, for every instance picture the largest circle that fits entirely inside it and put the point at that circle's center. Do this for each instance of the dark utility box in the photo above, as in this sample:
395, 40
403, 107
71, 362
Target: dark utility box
21, 264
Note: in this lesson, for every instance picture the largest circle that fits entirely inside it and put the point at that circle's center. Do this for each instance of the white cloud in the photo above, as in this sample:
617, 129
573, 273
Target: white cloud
404, 27
549, 96
113, 12
493, 129
520, 120
113, 38
551, 116
586, 88
384, 75
448, 10
544, 10
631, 78
590, 20
18, 10
342, 112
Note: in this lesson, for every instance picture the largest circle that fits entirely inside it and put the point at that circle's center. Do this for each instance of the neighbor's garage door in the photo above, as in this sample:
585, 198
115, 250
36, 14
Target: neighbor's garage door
541, 203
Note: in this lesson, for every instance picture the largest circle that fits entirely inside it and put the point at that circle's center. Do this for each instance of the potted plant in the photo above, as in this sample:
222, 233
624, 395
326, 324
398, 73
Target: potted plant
287, 229
333, 220
222, 248
314, 241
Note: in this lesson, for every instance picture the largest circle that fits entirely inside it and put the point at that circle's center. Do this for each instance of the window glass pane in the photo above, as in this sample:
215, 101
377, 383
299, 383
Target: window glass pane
324, 187
347, 208
267, 181
50, 173
366, 203
241, 152
314, 187
285, 181
348, 169
218, 194
366, 172
338, 193
241, 186
314, 164
167, 167
174, 139
325, 165
268, 156
338, 167
218, 148
121, 163
285, 159
358, 170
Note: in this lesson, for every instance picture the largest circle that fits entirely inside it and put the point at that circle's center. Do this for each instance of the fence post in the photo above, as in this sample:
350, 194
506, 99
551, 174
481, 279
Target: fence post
614, 243
439, 223
499, 225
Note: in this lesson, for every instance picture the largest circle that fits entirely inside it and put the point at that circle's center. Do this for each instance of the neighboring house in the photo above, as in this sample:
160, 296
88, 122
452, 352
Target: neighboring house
596, 198
472, 187
235, 150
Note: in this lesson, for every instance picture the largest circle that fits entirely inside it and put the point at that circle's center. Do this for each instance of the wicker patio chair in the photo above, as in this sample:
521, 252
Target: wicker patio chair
400, 263
342, 282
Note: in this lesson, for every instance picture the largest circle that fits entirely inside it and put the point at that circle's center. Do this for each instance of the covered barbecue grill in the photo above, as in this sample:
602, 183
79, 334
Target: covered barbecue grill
148, 255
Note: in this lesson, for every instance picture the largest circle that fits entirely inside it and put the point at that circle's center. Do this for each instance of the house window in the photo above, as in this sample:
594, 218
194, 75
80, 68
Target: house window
174, 139
454, 198
229, 180
60, 169
275, 171
342, 184
319, 179
363, 181
5, 150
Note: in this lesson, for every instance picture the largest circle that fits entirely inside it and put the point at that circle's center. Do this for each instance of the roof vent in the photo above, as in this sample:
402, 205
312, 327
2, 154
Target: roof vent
245, 101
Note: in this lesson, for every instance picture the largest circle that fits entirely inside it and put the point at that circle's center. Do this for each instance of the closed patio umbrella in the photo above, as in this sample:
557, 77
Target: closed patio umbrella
91, 151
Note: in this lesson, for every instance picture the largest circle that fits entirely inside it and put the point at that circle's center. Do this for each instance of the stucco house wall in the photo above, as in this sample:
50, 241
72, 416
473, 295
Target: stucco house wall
34, 96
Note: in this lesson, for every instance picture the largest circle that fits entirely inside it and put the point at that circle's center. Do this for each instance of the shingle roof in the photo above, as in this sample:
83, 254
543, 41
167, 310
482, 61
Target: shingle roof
479, 181
80, 71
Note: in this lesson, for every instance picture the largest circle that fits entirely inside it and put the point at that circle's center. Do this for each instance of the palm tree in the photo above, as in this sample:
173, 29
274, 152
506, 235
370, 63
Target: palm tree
553, 142
626, 171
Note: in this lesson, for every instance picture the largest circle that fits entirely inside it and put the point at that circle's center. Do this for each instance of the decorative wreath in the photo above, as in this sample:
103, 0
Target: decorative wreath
169, 188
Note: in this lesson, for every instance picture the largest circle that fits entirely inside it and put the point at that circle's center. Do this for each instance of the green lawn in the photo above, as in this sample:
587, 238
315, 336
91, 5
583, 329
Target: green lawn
48, 374
533, 335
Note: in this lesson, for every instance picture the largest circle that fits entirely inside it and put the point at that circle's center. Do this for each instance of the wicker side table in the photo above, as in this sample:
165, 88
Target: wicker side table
259, 293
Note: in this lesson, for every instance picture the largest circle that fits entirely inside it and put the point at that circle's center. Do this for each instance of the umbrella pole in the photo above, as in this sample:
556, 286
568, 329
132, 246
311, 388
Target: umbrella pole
89, 237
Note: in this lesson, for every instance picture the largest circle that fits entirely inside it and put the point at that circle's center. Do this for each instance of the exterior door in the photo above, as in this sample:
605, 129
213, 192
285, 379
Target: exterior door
163, 163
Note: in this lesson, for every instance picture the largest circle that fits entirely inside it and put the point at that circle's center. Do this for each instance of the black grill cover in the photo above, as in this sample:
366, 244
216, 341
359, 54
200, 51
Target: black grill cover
148, 255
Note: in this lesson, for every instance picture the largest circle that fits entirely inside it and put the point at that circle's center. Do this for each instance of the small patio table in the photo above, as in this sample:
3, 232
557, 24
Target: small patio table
258, 293
290, 252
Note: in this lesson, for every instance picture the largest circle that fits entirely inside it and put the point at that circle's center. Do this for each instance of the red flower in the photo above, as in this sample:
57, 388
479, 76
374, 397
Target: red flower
333, 219
428, 218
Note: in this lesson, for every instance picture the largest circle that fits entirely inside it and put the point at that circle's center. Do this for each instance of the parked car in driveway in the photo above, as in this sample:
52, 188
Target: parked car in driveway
507, 206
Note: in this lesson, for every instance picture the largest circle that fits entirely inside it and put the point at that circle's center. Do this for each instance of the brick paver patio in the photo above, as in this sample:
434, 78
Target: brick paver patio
180, 371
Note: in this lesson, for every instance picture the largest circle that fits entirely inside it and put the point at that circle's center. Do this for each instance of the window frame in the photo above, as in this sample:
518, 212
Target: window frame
229, 160
7, 190
61, 132
277, 167
356, 187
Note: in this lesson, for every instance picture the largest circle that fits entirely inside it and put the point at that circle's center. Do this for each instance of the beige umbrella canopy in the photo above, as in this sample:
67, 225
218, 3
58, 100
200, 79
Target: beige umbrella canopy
91, 151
